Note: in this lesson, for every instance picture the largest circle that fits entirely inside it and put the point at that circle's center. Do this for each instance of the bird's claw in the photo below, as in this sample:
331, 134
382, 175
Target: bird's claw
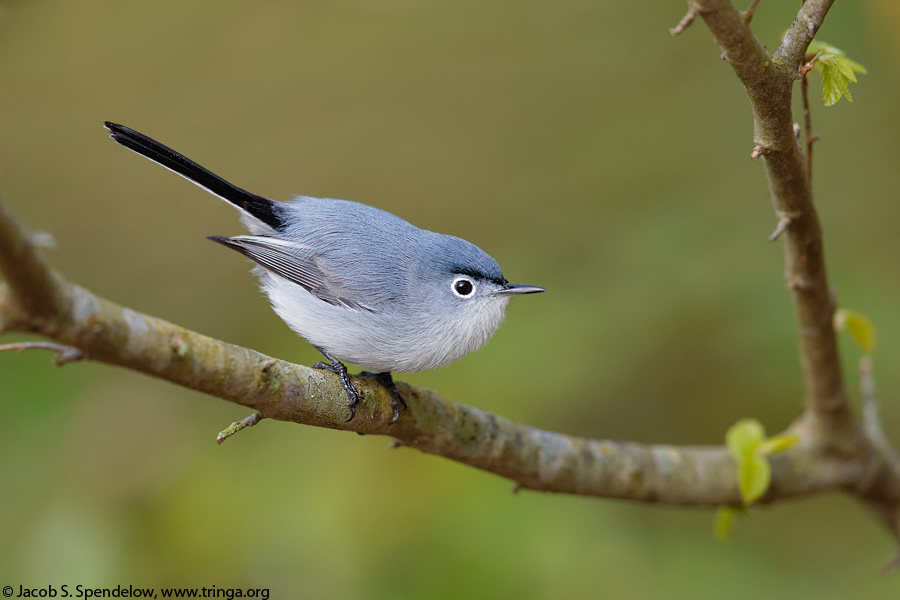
384, 379
338, 368
387, 382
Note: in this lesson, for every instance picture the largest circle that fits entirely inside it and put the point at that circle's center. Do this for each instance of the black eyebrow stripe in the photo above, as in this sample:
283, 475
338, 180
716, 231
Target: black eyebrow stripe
479, 275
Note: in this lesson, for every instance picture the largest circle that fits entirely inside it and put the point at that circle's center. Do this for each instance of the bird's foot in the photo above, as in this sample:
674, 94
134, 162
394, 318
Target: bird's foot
387, 382
338, 368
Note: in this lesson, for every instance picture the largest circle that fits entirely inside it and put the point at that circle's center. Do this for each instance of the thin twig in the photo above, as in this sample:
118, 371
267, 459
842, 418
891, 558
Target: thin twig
237, 426
807, 122
64, 354
793, 46
870, 413
685, 22
748, 14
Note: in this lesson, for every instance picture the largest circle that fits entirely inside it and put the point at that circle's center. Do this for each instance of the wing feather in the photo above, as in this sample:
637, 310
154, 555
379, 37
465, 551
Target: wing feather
289, 261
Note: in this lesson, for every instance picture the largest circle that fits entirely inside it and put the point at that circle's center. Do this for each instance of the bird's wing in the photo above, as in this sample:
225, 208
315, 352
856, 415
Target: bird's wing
293, 262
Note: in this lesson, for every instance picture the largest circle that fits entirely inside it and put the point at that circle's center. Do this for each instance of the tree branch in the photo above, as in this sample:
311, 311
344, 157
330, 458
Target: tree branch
792, 51
769, 83
533, 458
32, 283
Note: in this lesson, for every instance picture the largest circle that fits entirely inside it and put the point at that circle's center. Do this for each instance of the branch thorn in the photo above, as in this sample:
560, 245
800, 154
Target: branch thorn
42, 239
783, 222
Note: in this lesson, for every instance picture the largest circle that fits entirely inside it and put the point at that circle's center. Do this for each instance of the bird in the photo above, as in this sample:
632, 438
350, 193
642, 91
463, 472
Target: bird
360, 284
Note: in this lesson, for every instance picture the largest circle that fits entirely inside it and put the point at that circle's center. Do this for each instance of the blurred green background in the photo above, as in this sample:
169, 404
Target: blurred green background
578, 143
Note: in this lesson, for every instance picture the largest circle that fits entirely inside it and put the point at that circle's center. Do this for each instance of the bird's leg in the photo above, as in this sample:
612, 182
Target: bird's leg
338, 368
387, 382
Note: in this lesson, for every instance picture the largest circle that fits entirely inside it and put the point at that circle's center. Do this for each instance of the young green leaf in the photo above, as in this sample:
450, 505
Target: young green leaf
861, 329
744, 437
724, 522
776, 444
837, 71
747, 442
755, 475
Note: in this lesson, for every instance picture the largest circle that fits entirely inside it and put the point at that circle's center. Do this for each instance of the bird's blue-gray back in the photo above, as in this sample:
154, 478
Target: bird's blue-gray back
348, 241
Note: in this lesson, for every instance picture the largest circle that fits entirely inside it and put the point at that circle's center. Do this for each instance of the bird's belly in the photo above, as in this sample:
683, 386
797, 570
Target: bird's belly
376, 341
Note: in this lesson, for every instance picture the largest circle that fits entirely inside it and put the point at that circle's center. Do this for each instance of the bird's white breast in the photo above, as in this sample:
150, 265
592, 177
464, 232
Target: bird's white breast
389, 339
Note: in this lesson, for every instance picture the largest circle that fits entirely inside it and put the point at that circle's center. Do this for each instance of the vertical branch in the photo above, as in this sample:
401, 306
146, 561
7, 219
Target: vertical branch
769, 83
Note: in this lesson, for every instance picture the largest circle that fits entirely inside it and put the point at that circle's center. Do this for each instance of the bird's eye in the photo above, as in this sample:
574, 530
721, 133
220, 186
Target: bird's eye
462, 287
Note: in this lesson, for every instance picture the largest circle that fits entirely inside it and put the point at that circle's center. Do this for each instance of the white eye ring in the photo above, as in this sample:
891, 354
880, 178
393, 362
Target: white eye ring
463, 287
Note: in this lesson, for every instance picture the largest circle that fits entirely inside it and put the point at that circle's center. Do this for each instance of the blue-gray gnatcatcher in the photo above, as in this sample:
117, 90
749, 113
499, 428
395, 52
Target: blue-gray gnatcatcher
358, 283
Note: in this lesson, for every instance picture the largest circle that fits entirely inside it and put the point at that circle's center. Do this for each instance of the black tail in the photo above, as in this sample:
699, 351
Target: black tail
261, 208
